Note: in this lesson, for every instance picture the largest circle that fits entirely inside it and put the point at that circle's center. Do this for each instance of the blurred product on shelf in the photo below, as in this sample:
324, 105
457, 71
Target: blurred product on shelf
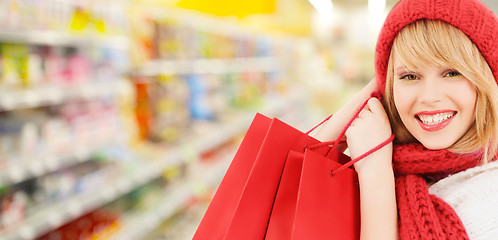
70, 165
204, 175
179, 41
162, 107
27, 66
103, 16
99, 224
166, 104
21, 200
180, 225
28, 198
181, 74
25, 134
59, 64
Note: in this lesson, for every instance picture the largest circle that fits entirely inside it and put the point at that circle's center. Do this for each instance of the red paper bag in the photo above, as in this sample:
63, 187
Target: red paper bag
284, 208
313, 203
247, 206
243, 202
217, 218
323, 200
327, 206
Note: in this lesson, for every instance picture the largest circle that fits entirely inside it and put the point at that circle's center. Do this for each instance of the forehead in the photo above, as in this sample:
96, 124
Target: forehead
417, 61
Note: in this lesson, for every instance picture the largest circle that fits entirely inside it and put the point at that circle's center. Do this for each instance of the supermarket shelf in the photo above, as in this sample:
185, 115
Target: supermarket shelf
21, 170
205, 22
56, 38
56, 214
138, 224
53, 95
215, 66
53, 215
190, 226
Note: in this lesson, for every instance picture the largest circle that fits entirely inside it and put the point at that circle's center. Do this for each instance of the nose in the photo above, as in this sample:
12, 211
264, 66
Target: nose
431, 91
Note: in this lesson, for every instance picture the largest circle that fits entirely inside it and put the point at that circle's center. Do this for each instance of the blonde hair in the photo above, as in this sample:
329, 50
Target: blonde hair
436, 42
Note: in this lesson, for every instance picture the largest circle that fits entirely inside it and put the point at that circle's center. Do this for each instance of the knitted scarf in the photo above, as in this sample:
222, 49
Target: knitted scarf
422, 215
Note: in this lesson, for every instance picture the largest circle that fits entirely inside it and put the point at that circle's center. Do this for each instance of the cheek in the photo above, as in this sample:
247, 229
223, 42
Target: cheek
465, 95
403, 99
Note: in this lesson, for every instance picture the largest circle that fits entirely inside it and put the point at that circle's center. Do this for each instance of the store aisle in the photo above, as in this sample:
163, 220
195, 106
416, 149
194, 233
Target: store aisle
119, 118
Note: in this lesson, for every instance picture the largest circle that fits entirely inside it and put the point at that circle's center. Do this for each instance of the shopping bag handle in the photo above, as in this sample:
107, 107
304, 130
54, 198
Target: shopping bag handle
339, 139
336, 171
311, 130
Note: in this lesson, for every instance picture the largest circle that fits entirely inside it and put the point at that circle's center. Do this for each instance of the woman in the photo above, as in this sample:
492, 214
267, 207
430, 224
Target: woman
437, 65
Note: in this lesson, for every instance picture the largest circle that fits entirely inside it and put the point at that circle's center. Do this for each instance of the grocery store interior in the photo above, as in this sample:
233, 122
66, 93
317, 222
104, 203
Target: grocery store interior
119, 118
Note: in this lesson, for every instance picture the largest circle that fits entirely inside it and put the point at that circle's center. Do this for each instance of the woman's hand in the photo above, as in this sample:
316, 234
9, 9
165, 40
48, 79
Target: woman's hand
332, 128
367, 131
375, 174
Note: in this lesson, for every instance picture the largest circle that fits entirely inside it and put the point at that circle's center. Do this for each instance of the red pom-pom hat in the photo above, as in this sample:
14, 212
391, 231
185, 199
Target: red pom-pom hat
470, 16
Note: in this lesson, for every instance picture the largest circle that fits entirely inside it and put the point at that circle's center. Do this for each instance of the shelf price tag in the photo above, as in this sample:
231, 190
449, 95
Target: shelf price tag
16, 173
7, 102
74, 208
54, 95
36, 167
55, 219
27, 232
32, 99
51, 162
124, 186
81, 154
189, 153
110, 193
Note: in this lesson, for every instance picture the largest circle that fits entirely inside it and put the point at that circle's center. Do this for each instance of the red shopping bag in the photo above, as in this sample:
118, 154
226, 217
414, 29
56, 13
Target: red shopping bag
217, 218
284, 208
318, 195
242, 205
247, 205
322, 199
327, 206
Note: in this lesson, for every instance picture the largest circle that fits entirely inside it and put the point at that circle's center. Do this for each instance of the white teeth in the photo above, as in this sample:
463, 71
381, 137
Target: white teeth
436, 118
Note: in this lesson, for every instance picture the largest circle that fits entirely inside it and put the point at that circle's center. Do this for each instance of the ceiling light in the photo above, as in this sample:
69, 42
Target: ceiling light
322, 6
376, 6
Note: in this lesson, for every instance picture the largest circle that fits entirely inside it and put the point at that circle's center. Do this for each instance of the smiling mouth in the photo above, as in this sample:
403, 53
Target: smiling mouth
433, 121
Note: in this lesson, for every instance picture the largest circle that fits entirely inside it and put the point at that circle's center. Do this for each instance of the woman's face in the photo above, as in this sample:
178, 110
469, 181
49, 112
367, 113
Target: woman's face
436, 104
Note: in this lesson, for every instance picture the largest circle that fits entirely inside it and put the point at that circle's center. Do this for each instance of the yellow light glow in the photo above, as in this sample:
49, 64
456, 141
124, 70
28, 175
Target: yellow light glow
229, 7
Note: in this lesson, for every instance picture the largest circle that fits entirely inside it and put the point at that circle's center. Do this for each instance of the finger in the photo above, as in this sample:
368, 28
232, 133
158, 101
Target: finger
372, 85
359, 115
352, 123
367, 108
365, 112
375, 106
348, 131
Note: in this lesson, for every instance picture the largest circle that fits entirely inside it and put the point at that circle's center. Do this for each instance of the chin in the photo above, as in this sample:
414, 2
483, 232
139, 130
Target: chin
436, 145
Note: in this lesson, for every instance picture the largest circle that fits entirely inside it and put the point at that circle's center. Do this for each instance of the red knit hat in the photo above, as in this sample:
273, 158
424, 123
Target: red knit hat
470, 16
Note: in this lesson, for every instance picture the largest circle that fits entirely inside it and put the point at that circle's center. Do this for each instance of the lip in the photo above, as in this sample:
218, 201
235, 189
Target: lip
438, 126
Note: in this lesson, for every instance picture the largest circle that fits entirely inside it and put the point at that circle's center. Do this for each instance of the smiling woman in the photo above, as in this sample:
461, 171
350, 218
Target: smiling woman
436, 108
436, 63
426, 78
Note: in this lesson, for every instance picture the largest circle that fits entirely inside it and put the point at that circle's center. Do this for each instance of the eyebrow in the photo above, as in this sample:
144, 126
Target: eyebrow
401, 69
